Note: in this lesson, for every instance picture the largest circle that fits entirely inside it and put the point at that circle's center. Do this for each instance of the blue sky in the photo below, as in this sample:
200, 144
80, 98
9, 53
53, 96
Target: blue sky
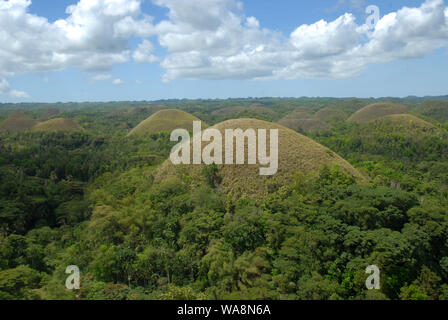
387, 73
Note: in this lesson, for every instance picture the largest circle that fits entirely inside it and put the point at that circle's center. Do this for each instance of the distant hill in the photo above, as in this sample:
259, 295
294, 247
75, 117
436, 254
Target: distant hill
228, 111
435, 109
297, 153
303, 122
407, 121
49, 113
17, 122
166, 120
376, 111
58, 124
331, 114
236, 110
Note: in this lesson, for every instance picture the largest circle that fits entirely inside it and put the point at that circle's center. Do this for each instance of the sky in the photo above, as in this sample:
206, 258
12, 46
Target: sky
134, 50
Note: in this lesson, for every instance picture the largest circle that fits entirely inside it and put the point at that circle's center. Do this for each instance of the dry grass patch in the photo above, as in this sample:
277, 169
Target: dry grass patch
376, 111
303, 122
297, 153
59, 124
166, 120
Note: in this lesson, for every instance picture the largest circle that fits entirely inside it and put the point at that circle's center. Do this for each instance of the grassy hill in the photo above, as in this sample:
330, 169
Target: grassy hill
303, 122
49, 113
434, 109
17, 122
331, 115
228, 111
297, 153
166, 120
376, 111
407, 121
59, 124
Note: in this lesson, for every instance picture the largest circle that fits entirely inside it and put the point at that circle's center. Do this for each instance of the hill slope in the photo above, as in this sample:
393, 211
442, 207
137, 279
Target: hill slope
331, 114
58, 124
297, 153
435, 109
166, 120
17, 122
407, 121
303, 122
376, 111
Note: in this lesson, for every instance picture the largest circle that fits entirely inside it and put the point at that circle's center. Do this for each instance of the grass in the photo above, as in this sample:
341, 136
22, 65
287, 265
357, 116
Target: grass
49, 113
408, 121
166, 120
434, 109
297, 153
17, 122
376, 111
58, 124
331, 115
303, 122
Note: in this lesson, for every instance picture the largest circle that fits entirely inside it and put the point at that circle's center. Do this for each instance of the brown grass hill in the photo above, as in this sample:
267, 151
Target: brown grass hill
17, 122
296, 154
49, 114
166, 120
404, 124
146, 110
303, 123
58, 124
434, 109
228, 111
304, 109
331, 115
376, 111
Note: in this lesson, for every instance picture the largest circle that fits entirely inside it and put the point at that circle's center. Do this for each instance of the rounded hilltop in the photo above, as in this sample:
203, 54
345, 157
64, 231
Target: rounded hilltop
166, 120
331, 115
407, 120
58, 124
296, 153
303, 122
376, 111
17, 122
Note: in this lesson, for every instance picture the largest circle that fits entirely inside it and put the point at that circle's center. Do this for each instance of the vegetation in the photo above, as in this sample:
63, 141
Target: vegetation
331, 115
434, 109
17, 122
165, 120
376, 111
58, 124
303, 123
296, 153
139, 228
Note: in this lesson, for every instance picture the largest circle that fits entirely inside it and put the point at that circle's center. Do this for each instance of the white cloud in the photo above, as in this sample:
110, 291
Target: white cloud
226, 45
143, 53
102, 77
5, 90
211, 39
94, 36
117, 82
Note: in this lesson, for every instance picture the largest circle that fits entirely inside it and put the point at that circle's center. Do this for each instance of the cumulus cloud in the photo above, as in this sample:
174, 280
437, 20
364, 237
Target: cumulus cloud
5, 90
232, 46
143, 53
102, 77
210, 39
117, 82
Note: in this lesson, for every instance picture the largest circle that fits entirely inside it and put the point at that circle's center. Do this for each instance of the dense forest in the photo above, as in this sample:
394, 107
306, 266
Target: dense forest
89, 198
